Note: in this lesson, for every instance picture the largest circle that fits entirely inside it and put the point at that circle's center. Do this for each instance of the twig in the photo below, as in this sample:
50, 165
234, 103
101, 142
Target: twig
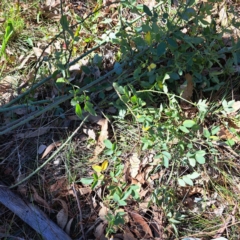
80, 211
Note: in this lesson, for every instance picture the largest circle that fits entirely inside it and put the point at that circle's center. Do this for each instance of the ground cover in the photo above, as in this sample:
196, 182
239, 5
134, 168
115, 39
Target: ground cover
119, 120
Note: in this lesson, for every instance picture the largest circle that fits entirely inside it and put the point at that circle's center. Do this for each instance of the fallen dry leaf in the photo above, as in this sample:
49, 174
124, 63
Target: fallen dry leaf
223, 16
91, 134
39, 199
157, 224
128, 236
62, 218
68, 227
187, 89
85, 190
39, 52
62, 215
103, 212
52, 3
236, 106
141, 224
99, 231
50, 148
134, 165
103, 136
225, 134
8, 83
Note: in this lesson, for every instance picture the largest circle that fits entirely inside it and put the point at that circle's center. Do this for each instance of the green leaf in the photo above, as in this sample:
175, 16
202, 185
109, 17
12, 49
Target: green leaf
118, 68
166, 154
94, 184
192, 162
86, 69
172, 43
109, 152
108, 144
86, 181
165, 162
161, 49
64, 22
181, 182
201, 152
190, 2
78, 110
147, 10
174, 76
200, 159
89, 108
122, 203
230, 142
187, 180
173, 220
215, 130
61, 80
194, 175
206, 133
184, 129
188, 123
74, 102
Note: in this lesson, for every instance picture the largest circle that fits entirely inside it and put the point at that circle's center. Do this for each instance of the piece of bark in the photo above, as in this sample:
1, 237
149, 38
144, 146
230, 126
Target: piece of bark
31, 215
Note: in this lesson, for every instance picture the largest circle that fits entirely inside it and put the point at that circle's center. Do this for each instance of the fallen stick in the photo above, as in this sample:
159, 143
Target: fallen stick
31, 215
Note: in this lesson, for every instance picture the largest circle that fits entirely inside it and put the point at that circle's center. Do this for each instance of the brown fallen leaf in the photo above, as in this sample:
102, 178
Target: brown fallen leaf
39, 52
39, 199
103, 136
59, 184
62, 215
134, 165
50, 148
157, 223
236, 106
99, 232
141, 224
8, 83
225, 134
85, 190
103, 213
187, 89
90, 132
128, 235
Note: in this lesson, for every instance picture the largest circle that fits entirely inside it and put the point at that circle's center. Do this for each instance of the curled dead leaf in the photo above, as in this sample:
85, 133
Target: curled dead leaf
68, 227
